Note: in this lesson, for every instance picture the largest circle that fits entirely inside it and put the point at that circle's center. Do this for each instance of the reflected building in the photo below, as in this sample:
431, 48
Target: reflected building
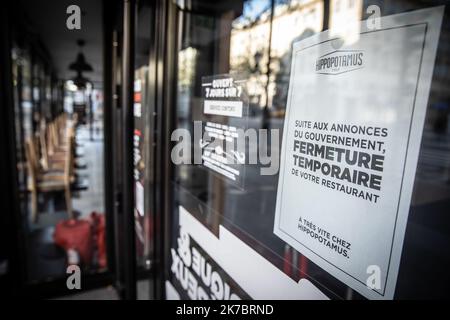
252, 41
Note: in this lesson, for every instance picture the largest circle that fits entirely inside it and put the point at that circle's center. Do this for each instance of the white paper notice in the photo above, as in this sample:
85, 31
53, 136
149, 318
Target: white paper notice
139, 190
351, 141
223, 108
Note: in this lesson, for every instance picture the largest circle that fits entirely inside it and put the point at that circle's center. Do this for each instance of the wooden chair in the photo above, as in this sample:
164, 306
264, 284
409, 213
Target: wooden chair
41, 181
53, 144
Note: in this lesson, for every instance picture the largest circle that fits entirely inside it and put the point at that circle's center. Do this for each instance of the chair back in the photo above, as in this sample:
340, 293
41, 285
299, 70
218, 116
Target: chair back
43, 143
32, 163
70, 159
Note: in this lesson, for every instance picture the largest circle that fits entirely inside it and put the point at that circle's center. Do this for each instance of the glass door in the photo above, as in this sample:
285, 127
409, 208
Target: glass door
234, 75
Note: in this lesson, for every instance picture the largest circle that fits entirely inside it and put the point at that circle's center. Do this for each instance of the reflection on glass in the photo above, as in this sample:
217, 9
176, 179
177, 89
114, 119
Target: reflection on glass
253, 39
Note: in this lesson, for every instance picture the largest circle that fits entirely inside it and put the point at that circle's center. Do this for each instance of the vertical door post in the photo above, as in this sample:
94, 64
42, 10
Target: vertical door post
128, 164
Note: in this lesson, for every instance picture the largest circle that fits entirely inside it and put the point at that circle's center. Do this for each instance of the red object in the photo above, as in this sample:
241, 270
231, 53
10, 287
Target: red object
76, 235
303, 264
86, 237
137, 97
98, 224
287, 267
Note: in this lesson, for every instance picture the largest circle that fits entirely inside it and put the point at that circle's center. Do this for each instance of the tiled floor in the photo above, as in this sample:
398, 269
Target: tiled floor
91, 199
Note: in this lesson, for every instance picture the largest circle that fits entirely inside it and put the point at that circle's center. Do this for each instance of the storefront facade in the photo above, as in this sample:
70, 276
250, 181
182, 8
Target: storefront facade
272, 149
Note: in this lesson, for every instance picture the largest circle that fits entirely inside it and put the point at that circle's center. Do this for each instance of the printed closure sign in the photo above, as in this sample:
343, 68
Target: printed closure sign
225, 111
352, 134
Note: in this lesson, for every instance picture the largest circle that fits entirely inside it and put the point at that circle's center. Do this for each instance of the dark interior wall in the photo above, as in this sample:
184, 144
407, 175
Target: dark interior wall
47, 20
9, 244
